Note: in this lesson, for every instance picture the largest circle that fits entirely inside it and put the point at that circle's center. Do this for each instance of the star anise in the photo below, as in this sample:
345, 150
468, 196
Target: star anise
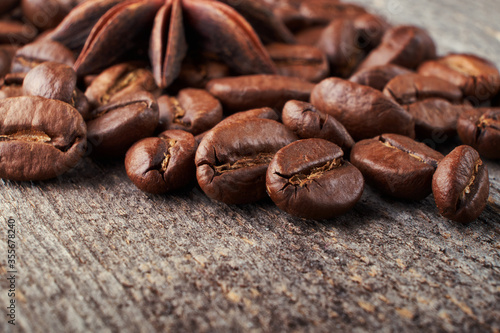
104, 30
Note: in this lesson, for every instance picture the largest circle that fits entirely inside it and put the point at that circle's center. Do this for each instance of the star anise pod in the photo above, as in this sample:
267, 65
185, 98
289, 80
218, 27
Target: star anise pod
104, 30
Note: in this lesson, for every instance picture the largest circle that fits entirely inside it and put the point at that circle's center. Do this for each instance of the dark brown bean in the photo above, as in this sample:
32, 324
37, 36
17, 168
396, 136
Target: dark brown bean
480, 128
16, 33
406, 46
364, 111
32, 55
51, 80
197, 71
118, 125
411, 88
377, 77
371, 29
397, 165
192, 110
477, 77
162, 164
12, 85
232, 160
7, 5
256, 91
435, 118
461, 185
306, 122
39, 138
118, 81
302, 61
7, 53
310, 179
46, 14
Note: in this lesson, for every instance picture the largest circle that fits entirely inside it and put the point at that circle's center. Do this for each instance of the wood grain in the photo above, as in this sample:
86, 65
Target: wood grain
95, 254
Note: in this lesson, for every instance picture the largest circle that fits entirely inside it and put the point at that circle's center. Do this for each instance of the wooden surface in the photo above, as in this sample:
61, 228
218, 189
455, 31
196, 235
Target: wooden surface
97, 255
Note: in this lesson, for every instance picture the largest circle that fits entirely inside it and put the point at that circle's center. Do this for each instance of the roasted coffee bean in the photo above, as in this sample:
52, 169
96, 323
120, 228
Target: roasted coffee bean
193, 110
7, 5
340, 42
16, 33
81, 104
32, 55
435, 118
364, 111
302, 61
306, 122
51, 80
162, 164
371, 29
116, 126
310, 35
310, 179
480, 128
397, 165
477, 77
197, 71
377, 77
46, 14
232, 160
262, 113
411, 88
12, 85
118, 81
7, 53
39, 138
460, 185
256, 91
406, 46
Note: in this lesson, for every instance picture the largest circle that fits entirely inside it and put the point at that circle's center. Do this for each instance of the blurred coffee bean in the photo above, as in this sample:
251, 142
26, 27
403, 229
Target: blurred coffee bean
480, 128
378, 76
31, 55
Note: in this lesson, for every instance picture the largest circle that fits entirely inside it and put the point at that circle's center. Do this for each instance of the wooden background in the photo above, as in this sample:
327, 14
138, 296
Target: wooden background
97, 255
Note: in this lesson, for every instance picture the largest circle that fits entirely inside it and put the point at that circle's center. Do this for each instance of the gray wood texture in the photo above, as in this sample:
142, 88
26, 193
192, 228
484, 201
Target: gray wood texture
95, 254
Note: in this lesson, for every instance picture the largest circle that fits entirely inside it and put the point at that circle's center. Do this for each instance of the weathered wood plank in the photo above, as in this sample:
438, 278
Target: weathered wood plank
96, 254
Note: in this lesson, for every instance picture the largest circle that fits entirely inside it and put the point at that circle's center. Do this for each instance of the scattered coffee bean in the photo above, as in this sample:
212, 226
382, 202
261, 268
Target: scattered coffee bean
435, 118
477, 77
302, 61
32, 55
406, 46
162, 164
364, 111
480, 128
460, 185
197, 71
310, 179
116, 126
378, 76
410, 88
232, 159
255, 91
371, 29
12, 85
39, 138
51, 80
397, 165
118, 81
46, 14
306, 122
193, 110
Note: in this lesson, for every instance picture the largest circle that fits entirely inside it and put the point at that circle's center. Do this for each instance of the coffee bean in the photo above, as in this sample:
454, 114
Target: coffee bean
302, 61
310, 35
480, 128
410, 88
162, 164
7, 53
16, 33
377, 77
435, 118
477, 77
12, 85
116, 126
118, 81
256, 91
397, 165
306, 122
232, 160
197, 71
340, 42
461, 185
39, 138
310, 179
371, 29
364, 111
406, 46
193, 110
51, 80
32, 55
46, 14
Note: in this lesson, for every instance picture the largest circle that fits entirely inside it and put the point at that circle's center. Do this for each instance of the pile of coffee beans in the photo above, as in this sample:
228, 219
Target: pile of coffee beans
299, 101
